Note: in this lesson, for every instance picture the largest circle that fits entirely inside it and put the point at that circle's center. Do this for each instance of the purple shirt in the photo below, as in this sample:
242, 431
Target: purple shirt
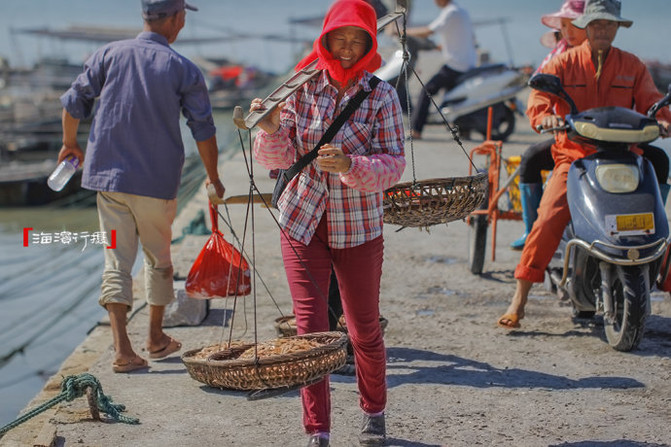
135, 144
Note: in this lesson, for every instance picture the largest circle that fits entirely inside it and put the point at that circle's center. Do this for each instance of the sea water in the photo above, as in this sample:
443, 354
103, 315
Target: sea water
259, 32
49, 291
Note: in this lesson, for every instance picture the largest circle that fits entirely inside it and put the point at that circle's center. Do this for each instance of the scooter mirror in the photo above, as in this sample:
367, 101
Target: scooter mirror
546, 83
552, 84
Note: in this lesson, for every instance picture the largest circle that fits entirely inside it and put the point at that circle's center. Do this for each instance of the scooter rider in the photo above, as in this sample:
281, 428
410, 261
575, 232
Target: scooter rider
595, 74
538, 157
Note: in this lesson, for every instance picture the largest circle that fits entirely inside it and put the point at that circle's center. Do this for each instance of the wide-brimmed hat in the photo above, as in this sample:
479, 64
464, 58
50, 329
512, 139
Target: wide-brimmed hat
570, 9
158, 9
551, 38
602, 10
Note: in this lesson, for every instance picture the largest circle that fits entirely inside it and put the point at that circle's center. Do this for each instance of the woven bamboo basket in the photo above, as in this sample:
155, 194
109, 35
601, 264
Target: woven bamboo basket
433, 201
286, 325
225, 370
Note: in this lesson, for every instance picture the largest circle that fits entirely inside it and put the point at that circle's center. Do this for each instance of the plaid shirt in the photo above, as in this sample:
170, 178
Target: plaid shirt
372, 138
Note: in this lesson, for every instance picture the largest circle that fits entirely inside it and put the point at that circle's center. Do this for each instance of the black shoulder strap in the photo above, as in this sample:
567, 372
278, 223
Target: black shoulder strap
332, 130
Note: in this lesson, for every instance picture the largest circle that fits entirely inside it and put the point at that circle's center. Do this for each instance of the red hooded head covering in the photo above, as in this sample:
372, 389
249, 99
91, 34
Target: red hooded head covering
345, 13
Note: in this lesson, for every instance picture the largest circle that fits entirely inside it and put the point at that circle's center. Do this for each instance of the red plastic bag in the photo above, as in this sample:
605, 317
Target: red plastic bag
219, 270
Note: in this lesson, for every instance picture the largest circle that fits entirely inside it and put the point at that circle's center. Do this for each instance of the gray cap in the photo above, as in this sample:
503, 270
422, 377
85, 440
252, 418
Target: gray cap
601, 10
158, 9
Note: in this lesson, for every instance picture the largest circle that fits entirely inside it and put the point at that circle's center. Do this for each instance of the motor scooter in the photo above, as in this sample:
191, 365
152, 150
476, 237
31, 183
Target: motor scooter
466, 105
495, 85
613, 246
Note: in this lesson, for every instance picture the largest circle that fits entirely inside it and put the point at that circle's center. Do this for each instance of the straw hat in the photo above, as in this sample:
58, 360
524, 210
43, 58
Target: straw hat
571, 9
602, 10
551, 38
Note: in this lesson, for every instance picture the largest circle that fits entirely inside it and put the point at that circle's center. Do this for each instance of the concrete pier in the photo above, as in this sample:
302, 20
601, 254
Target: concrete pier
455, 379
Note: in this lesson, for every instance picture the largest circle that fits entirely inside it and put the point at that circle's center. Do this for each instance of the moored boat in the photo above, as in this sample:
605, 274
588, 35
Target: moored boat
25, 184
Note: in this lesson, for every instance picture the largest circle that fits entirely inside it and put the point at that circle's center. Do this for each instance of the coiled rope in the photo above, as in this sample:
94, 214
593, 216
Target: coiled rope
73, 387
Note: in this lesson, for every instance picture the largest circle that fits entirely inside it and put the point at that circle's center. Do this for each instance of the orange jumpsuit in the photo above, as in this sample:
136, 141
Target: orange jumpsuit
625, 82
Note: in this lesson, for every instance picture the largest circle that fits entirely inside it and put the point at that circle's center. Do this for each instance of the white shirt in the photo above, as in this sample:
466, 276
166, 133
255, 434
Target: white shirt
454, 28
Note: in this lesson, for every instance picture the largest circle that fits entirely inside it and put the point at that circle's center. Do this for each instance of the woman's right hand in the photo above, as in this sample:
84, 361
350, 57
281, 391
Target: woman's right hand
271, 122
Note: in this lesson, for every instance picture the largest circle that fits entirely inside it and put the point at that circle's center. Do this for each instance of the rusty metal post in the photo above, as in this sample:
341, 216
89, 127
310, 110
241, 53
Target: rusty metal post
490, 116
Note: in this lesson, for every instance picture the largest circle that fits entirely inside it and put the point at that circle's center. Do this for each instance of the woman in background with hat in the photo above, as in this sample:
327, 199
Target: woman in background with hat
595, 74
538, 157
331, 212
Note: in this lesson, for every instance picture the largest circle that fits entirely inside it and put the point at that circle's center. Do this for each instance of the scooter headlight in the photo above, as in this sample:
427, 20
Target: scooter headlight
617, 178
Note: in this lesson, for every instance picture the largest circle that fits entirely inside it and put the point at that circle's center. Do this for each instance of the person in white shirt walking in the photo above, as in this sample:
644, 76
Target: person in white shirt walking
457, 42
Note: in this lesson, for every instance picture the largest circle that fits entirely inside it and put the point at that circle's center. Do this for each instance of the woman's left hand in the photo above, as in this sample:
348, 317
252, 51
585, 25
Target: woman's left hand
333, 159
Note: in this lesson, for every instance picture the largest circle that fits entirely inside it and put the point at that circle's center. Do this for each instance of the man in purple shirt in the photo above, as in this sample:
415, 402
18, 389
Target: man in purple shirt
134, 159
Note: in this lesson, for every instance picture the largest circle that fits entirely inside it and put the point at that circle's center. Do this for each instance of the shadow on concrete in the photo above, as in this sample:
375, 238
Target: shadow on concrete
614, 443
656, 338
506, 276
420, 367
396, 442
218, 317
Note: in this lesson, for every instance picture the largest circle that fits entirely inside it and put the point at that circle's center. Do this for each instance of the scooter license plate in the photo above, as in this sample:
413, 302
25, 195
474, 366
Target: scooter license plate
630, 224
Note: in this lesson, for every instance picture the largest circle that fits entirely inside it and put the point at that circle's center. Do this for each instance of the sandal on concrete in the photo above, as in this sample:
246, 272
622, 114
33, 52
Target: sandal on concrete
134, 365
172, 346
509, 321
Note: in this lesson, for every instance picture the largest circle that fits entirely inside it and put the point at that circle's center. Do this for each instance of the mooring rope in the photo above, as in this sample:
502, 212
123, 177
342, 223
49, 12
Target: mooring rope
73, 387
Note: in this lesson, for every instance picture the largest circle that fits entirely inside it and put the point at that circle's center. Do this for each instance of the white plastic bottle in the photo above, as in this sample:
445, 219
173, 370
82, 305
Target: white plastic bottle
63, 173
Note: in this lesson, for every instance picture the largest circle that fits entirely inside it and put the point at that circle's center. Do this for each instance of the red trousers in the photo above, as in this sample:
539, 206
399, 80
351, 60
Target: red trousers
546, 233
358, 269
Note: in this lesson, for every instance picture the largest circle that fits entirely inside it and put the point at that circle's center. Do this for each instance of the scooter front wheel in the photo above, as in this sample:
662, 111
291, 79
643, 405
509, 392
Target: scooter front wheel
631, 293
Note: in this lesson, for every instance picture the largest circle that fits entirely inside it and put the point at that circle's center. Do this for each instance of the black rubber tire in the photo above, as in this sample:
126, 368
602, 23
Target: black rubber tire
505, 127
631, 293
477, 243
